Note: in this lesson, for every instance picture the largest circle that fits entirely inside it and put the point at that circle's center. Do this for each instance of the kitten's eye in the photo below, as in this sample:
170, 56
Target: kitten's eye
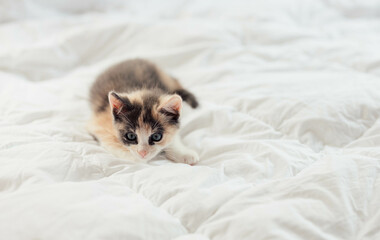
156, 137
130, 136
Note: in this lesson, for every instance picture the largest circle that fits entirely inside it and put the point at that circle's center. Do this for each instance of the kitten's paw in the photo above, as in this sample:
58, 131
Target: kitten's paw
189, 157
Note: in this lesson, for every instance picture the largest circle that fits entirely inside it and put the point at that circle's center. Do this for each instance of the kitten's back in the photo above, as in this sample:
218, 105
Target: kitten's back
134, 75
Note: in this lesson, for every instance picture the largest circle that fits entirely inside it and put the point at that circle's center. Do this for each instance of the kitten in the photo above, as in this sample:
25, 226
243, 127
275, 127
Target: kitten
136, 109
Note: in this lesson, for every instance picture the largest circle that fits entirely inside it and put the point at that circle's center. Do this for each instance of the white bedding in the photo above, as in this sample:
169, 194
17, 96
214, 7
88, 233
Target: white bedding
288, 131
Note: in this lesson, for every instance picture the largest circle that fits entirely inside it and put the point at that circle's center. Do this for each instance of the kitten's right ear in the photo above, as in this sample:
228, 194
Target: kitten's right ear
172, 104
117, 103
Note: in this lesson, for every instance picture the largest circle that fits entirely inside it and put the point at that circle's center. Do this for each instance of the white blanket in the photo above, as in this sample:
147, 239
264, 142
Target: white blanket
288, 131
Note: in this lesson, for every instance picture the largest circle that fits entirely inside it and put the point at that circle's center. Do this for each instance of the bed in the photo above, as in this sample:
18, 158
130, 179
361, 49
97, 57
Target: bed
288, 131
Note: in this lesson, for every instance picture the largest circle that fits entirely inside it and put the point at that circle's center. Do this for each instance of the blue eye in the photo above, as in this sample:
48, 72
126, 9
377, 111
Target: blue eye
156, 137
130, 136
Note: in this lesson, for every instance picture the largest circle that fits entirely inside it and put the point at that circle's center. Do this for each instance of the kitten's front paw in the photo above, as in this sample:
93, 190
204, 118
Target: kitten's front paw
190, 158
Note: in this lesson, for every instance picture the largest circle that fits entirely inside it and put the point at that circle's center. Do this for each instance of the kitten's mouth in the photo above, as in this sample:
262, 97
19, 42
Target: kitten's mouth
146, 157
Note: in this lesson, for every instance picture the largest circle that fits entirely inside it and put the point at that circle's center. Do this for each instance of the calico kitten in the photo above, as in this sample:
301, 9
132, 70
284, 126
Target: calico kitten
136, 110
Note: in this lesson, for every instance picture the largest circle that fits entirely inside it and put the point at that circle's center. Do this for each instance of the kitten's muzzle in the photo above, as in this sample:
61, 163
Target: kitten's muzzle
142, 153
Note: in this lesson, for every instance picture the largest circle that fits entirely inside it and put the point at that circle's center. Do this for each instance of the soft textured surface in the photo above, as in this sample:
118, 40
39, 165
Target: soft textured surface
288, 132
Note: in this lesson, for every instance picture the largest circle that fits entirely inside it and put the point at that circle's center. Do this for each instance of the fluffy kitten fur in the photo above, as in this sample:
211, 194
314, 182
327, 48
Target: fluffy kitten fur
136, 109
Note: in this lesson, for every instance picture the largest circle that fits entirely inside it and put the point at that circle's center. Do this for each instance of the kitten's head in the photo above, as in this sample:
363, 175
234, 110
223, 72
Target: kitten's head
146, 121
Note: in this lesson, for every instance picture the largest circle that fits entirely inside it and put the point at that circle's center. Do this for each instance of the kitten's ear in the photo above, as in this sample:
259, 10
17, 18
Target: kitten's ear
117, 103
172, 104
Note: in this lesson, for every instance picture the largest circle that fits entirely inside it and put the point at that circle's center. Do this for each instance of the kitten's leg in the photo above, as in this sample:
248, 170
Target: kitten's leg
178, 152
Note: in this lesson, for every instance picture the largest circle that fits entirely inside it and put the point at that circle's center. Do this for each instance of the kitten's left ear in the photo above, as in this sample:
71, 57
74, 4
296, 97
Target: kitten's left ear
118, 104
115, 101
172, 104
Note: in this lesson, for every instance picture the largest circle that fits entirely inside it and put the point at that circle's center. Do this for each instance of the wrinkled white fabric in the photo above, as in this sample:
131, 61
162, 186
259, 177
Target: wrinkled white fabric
288, 131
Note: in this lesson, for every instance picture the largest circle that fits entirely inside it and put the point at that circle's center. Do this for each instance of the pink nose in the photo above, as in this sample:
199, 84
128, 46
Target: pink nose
142, 153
